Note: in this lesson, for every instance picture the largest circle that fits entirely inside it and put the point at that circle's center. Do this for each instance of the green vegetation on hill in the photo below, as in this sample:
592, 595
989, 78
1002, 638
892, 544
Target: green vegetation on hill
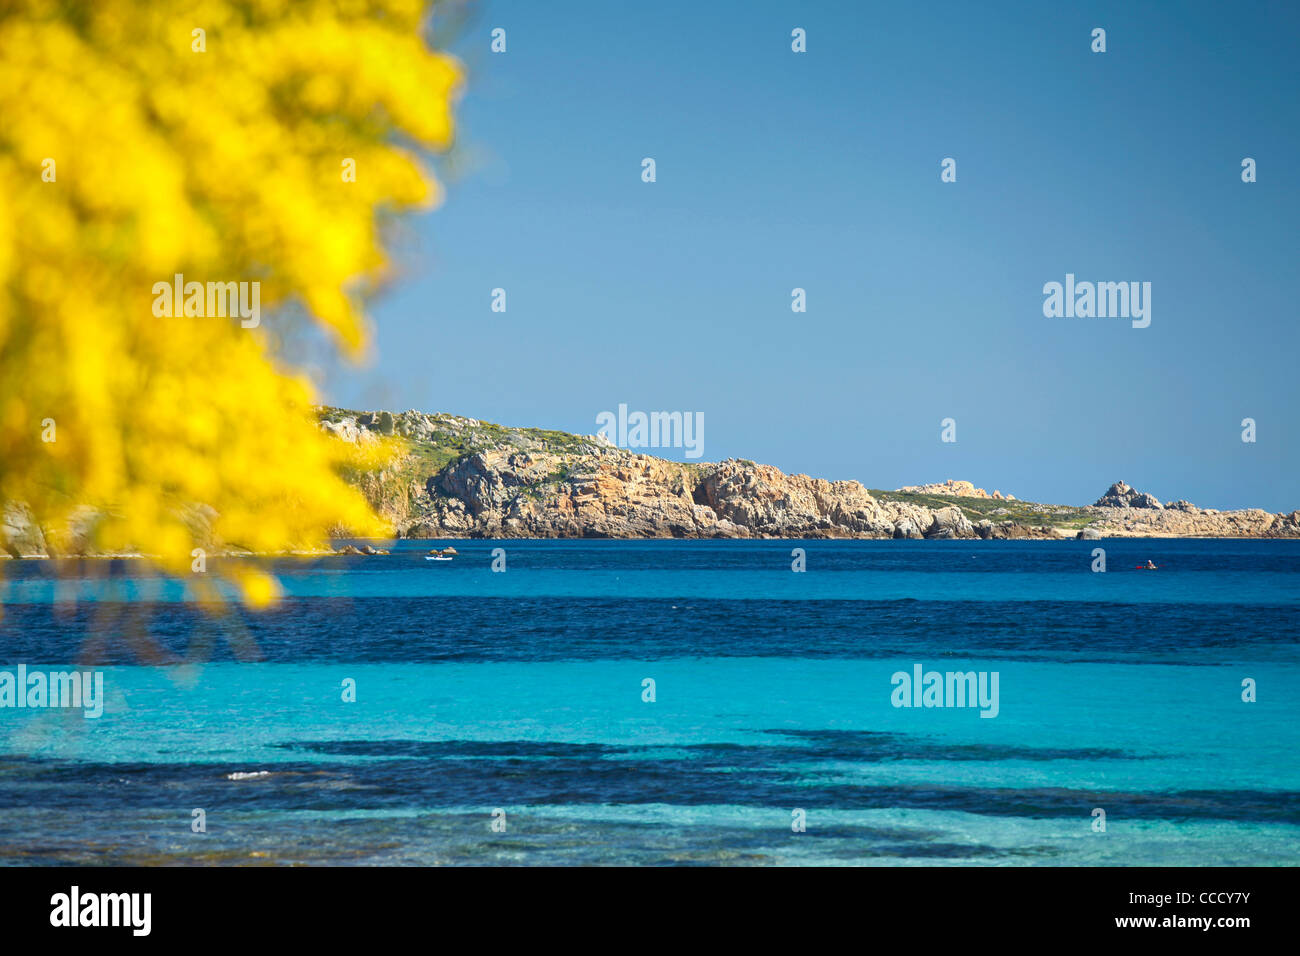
434, 457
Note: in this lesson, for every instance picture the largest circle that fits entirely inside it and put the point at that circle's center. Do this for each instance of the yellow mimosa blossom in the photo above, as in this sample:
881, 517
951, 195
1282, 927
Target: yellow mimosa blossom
213, 139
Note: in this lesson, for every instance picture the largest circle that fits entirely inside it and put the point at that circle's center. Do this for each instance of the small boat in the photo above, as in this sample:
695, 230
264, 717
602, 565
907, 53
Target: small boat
1147, 567
439, 555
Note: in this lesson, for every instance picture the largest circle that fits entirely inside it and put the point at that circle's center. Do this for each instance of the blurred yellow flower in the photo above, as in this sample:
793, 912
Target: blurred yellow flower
134, 148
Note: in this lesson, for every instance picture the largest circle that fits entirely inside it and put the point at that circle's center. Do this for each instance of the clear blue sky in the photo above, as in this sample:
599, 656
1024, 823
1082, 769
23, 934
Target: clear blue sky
821, 170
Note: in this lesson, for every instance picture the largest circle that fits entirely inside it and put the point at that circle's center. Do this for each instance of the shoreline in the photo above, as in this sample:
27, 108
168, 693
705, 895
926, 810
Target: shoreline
392, 542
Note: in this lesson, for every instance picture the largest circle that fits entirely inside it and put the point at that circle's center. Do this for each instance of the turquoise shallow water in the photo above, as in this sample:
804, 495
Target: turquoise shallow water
522, 692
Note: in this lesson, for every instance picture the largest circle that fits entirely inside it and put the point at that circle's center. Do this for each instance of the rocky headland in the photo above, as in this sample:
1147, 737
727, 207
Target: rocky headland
465, 478
456, 477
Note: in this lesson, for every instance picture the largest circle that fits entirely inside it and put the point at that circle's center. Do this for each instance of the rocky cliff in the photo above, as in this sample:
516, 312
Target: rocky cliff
459, 477
465, 478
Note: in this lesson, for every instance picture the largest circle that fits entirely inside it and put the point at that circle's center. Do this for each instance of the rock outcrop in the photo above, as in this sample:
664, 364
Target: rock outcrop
959, 489
620, 494
1180, 523
1124, 512
1120, 495
19, 534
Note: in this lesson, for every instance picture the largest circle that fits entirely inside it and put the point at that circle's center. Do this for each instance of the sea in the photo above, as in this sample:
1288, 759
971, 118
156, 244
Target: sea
675, 702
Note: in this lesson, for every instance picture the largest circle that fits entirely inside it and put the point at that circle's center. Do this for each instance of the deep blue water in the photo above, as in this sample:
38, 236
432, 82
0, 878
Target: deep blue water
522, 692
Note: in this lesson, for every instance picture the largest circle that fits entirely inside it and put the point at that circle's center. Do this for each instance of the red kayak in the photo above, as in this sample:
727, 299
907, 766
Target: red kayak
1143, 567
